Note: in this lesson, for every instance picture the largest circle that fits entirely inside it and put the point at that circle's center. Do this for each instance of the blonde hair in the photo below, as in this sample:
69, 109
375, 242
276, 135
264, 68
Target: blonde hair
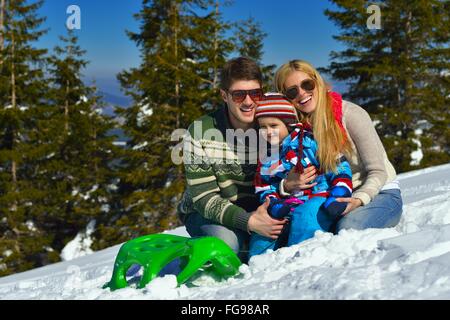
331, 139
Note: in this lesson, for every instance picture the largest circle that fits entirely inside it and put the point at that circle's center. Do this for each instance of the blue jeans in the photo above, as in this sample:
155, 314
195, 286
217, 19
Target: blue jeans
199, 226
384, 211
306, 219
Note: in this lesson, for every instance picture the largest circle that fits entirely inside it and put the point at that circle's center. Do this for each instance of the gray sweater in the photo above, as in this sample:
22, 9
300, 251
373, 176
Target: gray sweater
370, 166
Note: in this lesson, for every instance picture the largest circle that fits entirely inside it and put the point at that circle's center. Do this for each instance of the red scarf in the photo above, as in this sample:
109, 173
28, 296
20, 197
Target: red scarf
336, 104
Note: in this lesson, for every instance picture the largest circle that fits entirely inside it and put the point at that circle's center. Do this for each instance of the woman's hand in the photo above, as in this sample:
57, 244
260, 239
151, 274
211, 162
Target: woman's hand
296, 181
261, 222
352, 204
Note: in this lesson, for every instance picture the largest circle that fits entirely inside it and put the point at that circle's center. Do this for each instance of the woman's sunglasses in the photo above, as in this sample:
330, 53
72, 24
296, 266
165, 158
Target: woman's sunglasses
239, 95
292, 92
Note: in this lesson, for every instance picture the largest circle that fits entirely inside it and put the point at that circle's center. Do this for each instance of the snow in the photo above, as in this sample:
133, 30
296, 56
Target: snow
145, 111
83, 99
410, 261
417, 155
21, 108
86, 196
120, 143
112, 186
7, 253
30, 225
140, 145
81, 245
191, 61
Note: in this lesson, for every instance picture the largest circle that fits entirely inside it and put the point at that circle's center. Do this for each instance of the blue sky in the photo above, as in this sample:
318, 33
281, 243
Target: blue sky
295, 28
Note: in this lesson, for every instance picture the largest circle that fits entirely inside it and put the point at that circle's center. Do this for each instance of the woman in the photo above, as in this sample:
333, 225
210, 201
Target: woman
342, 128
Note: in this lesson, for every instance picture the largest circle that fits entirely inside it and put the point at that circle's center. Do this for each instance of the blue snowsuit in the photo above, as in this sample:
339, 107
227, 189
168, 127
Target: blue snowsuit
307, 210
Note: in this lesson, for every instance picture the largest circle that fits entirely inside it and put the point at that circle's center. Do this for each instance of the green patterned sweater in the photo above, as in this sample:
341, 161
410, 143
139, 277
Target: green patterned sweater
219, 172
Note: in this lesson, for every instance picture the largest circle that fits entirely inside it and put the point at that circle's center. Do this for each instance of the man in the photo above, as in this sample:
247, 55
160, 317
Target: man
219, 199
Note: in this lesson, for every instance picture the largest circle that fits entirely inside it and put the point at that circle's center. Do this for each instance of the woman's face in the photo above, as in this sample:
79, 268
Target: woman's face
305, 101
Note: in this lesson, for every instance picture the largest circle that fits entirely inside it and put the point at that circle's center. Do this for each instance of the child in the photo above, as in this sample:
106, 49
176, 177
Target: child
307, 210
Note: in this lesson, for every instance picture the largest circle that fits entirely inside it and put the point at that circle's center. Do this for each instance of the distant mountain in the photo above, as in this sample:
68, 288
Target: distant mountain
113, 100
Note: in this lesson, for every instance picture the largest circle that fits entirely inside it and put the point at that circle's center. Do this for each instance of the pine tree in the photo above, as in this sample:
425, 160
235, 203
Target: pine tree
2, 24
78, 168
22, 91
165, 90
211, 49
399, 74
249, 43
183, 45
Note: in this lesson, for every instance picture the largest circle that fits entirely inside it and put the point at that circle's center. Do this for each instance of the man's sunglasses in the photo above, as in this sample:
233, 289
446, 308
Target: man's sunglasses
292, 92
239, 95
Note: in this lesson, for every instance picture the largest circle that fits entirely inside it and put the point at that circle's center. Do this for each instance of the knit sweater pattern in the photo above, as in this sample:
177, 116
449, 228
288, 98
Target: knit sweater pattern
219, 172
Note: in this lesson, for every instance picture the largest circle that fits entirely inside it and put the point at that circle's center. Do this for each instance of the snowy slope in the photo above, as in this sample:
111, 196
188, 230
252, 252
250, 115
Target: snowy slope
411, 261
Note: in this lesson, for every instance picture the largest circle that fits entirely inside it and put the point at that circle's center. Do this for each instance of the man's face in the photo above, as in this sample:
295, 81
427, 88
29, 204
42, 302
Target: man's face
242, 112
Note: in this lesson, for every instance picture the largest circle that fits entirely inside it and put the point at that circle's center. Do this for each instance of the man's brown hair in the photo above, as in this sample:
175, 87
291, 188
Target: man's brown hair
241, 68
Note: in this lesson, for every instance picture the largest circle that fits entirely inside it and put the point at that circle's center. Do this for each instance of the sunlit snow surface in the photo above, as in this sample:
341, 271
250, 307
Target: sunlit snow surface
410, 261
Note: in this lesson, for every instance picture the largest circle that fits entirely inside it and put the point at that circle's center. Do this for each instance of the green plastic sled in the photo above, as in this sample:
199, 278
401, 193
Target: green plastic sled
153, 252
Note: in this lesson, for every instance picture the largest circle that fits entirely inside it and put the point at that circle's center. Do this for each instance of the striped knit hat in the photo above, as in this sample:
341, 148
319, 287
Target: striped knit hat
277, 106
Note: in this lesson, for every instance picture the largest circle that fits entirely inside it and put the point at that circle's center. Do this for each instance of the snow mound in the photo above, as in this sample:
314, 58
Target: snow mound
81, 245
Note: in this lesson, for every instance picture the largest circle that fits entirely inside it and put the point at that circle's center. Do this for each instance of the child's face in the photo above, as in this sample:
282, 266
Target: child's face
273, 130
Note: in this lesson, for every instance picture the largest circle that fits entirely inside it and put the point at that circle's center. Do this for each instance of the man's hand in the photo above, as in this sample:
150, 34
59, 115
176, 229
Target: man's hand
261, 222
352, 204
296, 181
